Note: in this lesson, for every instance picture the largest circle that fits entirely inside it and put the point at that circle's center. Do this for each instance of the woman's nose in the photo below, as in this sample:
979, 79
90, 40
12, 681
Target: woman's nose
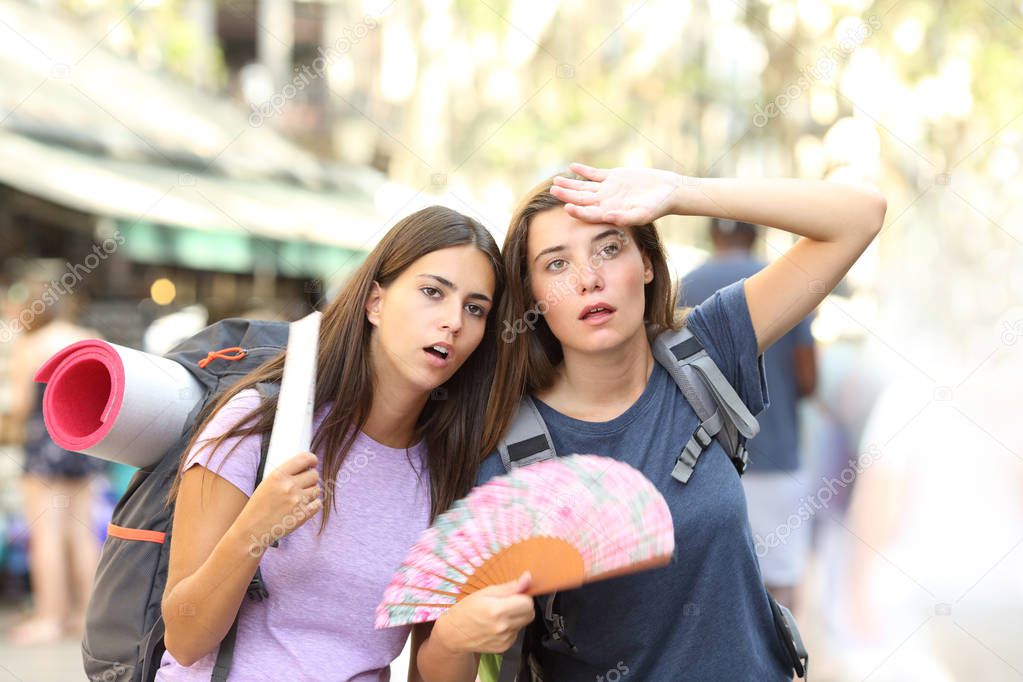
452, 321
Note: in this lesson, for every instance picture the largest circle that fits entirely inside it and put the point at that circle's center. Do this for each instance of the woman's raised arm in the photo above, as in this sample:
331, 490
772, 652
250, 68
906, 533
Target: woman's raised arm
837, 223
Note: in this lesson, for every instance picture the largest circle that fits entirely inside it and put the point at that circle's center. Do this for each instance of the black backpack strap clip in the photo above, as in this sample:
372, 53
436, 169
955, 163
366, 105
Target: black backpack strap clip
256, 590
791, 640
741, 458
554, 622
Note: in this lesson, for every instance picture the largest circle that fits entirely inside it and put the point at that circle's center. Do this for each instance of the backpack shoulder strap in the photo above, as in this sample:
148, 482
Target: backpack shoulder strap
266, 390
723, 416
527, 440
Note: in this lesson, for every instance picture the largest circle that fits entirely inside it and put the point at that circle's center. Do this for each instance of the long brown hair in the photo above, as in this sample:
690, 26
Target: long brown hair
529, 352
452, 420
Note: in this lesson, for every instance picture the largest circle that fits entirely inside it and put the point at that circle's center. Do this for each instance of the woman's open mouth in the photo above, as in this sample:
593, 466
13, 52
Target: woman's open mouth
597, 314
439, 354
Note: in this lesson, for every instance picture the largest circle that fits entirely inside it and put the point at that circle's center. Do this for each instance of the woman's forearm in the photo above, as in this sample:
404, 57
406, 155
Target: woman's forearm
819, 210
199, 610
438, 663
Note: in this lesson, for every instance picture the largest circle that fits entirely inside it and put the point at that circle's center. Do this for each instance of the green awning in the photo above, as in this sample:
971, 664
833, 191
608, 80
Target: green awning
148, 194
237, 252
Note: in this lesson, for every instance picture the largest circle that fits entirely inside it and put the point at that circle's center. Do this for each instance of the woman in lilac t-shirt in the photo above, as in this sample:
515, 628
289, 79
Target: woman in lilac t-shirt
405, 362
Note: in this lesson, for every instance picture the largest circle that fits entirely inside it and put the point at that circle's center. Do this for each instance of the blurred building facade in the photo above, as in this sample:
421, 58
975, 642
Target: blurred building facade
134, 178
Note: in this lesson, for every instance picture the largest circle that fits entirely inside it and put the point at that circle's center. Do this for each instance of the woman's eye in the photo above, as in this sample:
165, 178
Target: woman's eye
476, 310
556, 265
610, 250
431, 292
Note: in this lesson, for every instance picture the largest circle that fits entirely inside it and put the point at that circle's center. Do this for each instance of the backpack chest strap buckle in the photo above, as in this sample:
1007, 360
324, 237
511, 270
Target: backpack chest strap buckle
702, 436
701, 439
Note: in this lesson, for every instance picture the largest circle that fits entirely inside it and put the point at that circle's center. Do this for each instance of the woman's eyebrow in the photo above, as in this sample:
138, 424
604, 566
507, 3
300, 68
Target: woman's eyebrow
451, 285
549, 249
561, 247
613, 232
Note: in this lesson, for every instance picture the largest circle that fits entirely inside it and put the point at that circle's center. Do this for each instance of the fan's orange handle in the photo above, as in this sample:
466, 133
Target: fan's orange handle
553, 563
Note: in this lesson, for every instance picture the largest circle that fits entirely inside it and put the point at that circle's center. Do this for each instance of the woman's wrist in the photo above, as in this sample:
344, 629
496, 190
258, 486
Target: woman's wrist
701, 196
439, 659
441, 637
240, 539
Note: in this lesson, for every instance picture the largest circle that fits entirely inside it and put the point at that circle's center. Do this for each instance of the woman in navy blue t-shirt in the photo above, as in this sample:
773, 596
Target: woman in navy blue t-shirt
586, 274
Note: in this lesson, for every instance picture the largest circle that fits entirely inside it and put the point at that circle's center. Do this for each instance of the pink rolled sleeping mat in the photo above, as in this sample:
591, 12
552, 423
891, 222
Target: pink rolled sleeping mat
116, 403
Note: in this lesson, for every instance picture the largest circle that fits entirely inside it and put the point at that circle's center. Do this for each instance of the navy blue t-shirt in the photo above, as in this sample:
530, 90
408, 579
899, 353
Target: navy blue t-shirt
776, 447
705, 616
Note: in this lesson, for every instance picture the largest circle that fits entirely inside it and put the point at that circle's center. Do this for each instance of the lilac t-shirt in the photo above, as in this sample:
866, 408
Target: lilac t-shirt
317, 623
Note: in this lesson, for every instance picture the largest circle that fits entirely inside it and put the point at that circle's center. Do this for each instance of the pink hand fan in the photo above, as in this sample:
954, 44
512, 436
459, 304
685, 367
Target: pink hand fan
568, 521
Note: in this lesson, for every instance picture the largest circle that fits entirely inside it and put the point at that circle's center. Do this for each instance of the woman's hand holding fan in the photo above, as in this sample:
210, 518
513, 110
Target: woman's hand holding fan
488, 620
567, 521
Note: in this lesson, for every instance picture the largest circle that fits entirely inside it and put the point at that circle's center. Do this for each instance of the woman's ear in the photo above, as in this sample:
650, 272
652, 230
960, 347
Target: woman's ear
648, 269
373, 301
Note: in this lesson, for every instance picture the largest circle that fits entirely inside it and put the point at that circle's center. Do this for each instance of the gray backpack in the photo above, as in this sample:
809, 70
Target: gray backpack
123, 639
723, 417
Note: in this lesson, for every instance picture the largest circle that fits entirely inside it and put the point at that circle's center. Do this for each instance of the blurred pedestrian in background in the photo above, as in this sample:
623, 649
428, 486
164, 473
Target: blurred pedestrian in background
58, 486
774, 483
934, 532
